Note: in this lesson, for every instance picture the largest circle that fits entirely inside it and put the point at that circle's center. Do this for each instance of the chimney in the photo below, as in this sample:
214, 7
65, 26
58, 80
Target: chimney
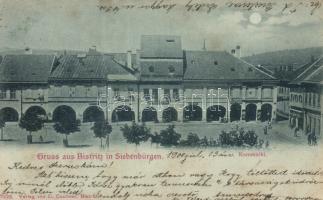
129, 63
28, 51
239, 49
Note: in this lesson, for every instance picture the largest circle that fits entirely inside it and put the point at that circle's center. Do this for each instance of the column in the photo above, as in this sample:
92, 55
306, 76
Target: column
258, 112
204, 104
243, 111
259, 92
243, 95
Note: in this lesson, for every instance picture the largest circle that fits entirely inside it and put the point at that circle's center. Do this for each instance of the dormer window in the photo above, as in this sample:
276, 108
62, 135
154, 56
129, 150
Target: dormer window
171, 69
232, 69
151, 69
170, 40
215, 62
250, 69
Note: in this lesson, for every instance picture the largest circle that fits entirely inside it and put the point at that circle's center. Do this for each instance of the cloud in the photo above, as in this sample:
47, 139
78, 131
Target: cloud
293, 20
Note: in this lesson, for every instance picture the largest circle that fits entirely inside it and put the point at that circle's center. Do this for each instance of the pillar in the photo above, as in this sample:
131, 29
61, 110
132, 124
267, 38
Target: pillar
204, 104
244, 90
259, 92
243, 111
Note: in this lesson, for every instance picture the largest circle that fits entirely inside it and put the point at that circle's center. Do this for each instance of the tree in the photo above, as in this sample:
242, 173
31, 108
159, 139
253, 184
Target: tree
169, 137
31, 123
2, 125
155, 138
102, 129
135, 133
66, 126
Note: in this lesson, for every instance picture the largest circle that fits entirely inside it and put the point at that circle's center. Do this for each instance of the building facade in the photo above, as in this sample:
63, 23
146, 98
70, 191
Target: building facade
306, 99
160, 82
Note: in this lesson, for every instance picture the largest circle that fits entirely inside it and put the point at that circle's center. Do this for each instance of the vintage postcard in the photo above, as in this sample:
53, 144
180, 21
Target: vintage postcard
161, 99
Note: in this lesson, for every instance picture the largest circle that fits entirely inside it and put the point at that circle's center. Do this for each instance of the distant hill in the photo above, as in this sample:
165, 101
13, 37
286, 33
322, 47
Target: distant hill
286, 64
289, 57
13, 51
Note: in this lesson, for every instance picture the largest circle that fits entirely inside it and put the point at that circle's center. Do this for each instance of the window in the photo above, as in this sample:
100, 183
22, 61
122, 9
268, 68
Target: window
305, 98
12, 94
232, 69
310, 99
167, 93
116, 92
170, 40
155, 96
146, 94
300, 99
171, 69
250, 69
131, 94
151, 69
314, 99
3, 94
215, 62
176, 94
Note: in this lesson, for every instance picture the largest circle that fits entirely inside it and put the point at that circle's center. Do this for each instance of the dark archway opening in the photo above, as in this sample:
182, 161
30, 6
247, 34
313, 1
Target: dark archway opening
215, 113
93, 114
36, 111
251, 112
192, 113
235, 112
266, 110
9, 114
64, 114
149, 114
122, 114
169, 114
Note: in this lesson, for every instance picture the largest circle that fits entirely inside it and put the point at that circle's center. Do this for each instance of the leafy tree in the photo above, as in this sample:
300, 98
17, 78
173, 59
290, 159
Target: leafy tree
169, 137
102, 129
191, 140
2, 125
31, 123
66, 126
155, 138
135, 133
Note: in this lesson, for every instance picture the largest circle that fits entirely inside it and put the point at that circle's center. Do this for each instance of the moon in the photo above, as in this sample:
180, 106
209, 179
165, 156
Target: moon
255, 18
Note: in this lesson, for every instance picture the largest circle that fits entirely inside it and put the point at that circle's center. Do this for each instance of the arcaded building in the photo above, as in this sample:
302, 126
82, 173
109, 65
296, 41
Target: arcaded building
160, 82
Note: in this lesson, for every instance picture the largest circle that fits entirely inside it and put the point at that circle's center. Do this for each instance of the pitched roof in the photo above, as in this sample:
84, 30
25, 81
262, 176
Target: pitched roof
316, 76
87, 67
26, 68
220, 65
309, 71
161, 70
161, 46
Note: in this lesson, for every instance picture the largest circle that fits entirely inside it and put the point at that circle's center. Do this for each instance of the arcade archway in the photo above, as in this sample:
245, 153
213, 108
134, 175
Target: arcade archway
169, 114
122, 114
192, 113
251, 112
235, 112
9, 114
215, 113
93, 114
149, 114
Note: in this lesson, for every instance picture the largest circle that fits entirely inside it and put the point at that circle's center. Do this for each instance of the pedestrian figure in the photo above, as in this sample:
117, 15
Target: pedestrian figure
41, 139
267, 144
314, 141
269, 125
265, 130
295, 132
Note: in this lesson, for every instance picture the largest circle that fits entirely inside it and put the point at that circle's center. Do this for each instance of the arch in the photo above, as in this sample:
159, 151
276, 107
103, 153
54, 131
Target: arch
266, 110
92, 114
149, 114
192, 113
122, 114
169, 114
215, 113
235, 112
9, 114
251, 112
64, 113
34, 111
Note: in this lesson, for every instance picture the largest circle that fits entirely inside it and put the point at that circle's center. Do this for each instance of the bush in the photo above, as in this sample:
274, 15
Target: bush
135, 134
169, 137
192, 140
238, 138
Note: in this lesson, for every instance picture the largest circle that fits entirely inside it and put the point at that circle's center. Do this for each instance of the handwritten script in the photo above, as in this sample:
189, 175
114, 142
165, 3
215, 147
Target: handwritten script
178, 176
